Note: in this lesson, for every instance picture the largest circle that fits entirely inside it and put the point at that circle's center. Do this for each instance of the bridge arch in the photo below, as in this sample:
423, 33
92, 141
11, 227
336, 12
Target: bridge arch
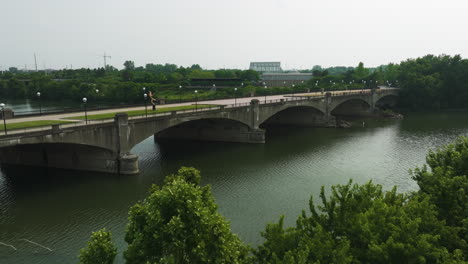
352, 107
297, 115
386, 101
206, 129
216, 127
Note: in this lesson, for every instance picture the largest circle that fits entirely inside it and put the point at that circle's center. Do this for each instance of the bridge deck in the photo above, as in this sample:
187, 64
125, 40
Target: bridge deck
217, 104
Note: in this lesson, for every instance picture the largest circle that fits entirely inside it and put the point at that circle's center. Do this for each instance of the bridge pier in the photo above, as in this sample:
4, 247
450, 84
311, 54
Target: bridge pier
69, 156
127, 164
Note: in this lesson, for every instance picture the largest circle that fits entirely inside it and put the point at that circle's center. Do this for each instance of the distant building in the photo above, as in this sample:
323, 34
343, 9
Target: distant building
266, 66
285, 79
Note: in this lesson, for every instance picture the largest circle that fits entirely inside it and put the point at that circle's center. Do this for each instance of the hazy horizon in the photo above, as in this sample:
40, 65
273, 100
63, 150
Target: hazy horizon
228, 34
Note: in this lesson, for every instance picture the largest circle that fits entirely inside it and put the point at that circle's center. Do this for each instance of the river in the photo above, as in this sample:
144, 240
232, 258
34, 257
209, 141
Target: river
252, 184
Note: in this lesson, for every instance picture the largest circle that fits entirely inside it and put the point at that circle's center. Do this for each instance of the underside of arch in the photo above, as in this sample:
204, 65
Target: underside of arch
353, 107
388, 101
304, 116
213, 129
66, 156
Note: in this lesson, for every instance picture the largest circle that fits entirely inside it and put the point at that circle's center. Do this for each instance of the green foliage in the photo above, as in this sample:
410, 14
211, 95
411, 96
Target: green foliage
29, 124
434, 82
179, 223
360, 72
130, 113
359, 224
129, 65
446, 184
100, 249
114, 85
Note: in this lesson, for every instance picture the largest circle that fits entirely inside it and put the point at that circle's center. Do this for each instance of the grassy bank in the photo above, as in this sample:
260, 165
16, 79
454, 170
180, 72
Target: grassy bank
142, 112
29, 124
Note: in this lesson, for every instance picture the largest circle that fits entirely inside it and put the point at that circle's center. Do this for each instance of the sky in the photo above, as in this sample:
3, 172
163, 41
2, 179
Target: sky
228, 34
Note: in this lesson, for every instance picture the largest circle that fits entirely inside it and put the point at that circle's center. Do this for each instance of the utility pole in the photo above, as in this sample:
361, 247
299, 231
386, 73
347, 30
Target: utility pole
35, 61
105, 62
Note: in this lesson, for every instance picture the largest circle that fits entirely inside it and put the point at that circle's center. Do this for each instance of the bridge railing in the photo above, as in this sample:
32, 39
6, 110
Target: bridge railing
303, 97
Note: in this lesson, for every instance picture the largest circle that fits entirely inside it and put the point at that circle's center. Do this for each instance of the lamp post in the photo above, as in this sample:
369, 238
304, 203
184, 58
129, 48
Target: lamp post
97, 96
196, 100
180, 93
2, 105
235, 96
85, 110
265, 92
145, 96
292, 89
40, 103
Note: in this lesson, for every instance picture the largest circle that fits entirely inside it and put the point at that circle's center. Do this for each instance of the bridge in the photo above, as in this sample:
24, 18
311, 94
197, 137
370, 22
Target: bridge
105, 146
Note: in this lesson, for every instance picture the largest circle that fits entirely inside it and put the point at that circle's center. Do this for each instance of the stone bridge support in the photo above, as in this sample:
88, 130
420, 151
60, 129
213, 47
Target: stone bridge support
101, 148
256, 134
127, 163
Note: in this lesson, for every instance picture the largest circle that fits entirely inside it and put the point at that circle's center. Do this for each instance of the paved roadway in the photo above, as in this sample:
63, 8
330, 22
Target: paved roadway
213, 102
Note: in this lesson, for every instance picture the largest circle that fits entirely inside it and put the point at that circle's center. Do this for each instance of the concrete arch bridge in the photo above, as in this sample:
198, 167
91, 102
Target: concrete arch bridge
105, 147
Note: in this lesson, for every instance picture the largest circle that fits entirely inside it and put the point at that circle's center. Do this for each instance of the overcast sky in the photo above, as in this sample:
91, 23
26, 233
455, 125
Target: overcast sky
228, 34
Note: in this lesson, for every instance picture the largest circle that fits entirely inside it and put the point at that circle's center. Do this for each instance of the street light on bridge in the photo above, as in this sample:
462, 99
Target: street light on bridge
145, 96
235, 96
40, 103
180, 93
85, 110
97, 96
265, 92
196, 101
2, 105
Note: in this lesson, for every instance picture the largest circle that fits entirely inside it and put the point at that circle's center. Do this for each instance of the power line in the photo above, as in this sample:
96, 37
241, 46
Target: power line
105, 62
35, 61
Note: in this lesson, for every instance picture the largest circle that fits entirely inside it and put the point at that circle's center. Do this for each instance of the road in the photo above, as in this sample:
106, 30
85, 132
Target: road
230, 101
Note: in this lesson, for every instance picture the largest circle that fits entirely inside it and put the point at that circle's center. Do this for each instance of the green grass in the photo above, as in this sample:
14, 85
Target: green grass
29, 124
142, 112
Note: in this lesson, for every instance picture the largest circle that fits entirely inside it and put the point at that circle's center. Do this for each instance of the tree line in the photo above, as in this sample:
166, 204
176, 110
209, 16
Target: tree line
429, 82
112, 85
178, 223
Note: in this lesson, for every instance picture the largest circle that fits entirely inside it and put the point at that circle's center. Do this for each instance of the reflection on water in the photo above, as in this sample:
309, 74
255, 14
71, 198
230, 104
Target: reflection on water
253, 184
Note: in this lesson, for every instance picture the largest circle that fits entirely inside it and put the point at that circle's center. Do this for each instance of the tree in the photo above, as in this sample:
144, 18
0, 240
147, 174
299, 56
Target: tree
195, 67
360, 72
179, 223
447, 186
129, 65
359, 224
100, 249
250, 75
